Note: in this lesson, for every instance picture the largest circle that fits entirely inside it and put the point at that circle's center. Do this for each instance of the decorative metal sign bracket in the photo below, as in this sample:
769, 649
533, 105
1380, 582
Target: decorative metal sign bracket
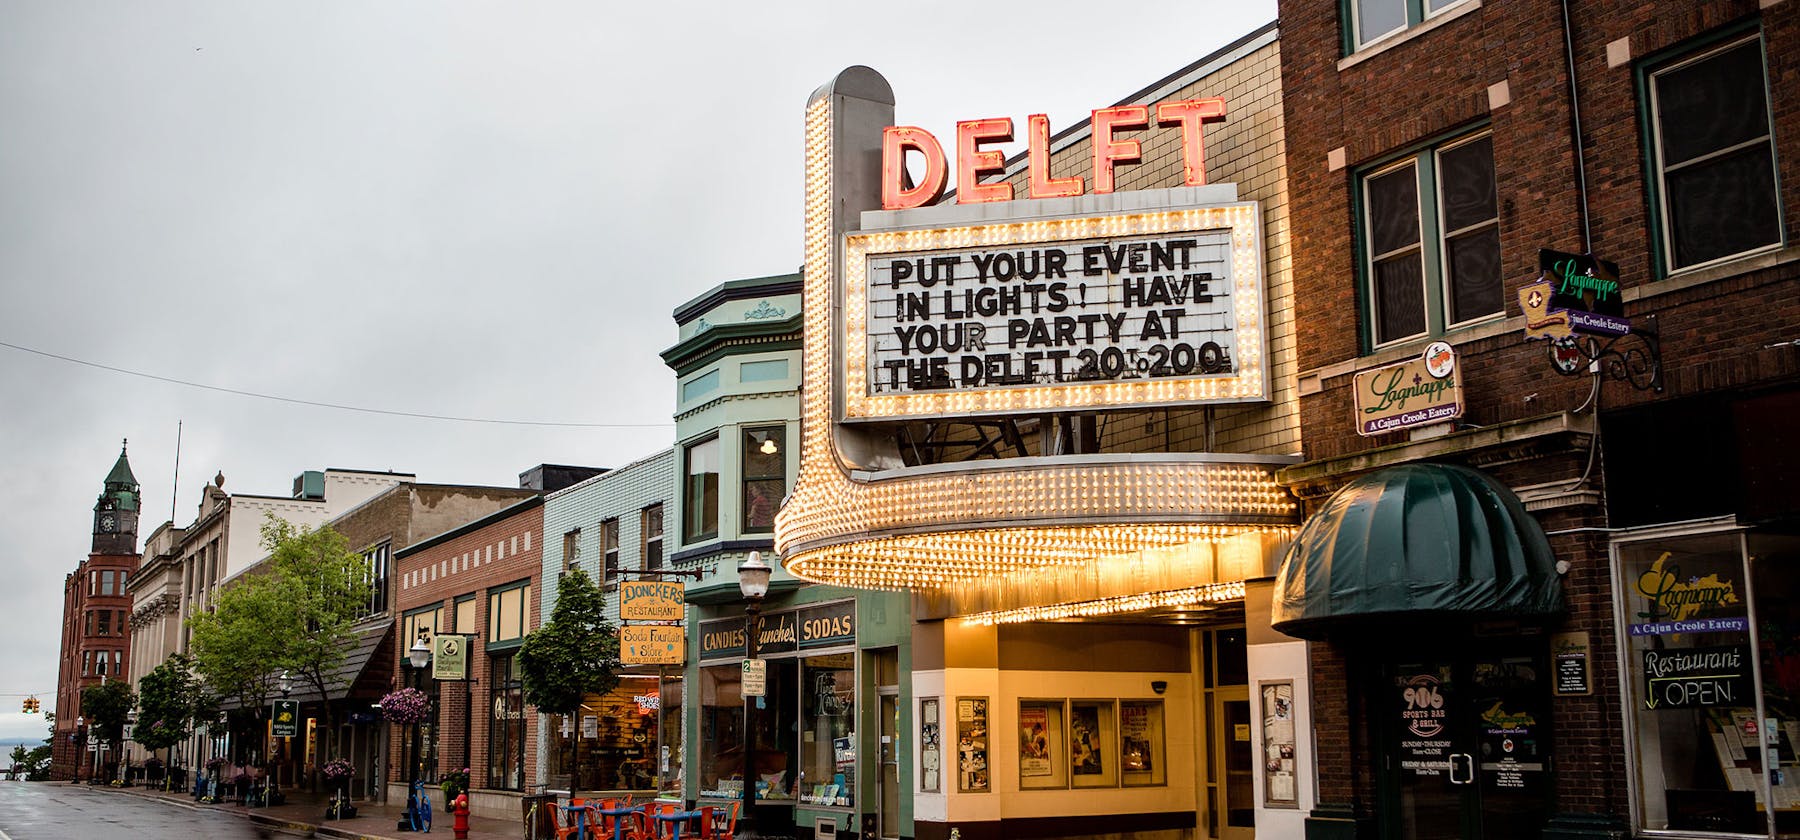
1635, 357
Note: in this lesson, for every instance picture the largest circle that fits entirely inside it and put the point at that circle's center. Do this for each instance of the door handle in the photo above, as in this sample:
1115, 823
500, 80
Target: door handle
1467, 763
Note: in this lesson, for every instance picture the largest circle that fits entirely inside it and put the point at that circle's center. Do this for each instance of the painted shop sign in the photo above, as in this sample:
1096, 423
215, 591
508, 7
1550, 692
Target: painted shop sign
1413, 393
805, 628
652, 644
652, 600
1693, 595
1058, 313
1686, 678
975, 160
1574, 293
450, 657
1425, 744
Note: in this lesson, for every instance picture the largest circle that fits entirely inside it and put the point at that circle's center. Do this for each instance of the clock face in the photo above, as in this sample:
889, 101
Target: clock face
107, 523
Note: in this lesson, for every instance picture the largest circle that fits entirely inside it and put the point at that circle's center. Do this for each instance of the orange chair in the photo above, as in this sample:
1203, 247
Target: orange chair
706, 822
729, 830
570, 824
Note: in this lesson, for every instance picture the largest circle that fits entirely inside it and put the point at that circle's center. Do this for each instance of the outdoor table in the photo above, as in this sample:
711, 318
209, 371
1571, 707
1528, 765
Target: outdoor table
580, 812
618, 822
679, 818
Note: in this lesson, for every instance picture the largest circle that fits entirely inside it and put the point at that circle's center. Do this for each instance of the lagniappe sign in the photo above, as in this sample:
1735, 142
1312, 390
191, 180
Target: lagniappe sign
1416, 392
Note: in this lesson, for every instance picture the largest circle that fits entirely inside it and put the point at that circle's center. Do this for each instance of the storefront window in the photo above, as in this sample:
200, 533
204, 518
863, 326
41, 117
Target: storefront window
721, 711
618, 747
670, 752
509, 612
1704, 738
506, 724
828, 730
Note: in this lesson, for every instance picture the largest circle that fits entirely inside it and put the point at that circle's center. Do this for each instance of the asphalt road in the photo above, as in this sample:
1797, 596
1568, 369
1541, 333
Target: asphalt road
61, 811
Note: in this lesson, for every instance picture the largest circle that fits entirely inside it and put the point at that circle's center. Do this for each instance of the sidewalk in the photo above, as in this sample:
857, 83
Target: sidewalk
303, 815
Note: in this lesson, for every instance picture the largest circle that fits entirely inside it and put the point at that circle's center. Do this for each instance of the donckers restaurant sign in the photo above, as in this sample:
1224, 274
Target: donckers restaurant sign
1416, 392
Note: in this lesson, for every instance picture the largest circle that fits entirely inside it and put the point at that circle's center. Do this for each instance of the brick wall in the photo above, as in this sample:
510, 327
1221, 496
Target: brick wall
490, 553
1714, 323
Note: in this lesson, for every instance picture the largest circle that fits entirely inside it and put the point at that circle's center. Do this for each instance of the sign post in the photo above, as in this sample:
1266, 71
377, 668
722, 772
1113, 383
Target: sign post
286, 719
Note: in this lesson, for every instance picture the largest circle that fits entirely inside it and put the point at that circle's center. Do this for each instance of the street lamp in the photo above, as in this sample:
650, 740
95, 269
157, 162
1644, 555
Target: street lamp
753, 582
80, 736
285, 682
131, 719
418, 657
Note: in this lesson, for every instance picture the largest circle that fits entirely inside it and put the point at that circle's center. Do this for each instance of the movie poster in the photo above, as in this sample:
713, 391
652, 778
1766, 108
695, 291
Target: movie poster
1034, 741
1084, 741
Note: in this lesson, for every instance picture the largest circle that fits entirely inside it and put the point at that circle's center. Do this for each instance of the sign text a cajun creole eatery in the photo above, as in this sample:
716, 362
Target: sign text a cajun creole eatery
1075, 304
1574, 293
1416, 392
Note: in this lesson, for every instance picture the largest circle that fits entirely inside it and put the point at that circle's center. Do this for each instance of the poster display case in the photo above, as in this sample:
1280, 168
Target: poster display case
1041, 733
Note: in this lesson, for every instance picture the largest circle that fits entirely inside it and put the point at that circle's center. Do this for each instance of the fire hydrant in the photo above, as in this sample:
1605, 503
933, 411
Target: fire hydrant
460, 824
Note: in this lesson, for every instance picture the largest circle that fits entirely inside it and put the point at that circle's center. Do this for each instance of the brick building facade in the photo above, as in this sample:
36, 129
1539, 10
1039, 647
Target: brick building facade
1434, 150
479, 580
96, 629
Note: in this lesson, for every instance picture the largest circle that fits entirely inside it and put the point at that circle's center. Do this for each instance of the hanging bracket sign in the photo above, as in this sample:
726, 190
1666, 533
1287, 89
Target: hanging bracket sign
652, 644
652, 600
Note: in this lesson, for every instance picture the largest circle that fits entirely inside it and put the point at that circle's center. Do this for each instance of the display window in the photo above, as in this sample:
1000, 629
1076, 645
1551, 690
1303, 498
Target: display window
1141, 758
619, 744
1712, 674
828, 730
1093, 755
721, 708
1042, 758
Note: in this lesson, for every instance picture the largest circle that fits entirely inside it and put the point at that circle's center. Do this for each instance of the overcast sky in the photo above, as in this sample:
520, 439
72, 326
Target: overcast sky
479, 210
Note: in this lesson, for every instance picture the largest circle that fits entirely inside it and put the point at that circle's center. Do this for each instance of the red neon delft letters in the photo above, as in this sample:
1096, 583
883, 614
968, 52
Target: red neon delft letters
895, 140
1037, 130
972, 161
1108, 151
1192, 114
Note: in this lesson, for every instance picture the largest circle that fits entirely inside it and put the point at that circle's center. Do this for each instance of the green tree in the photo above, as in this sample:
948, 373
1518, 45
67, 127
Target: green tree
105, 706
168, 698
295, 612
574, 654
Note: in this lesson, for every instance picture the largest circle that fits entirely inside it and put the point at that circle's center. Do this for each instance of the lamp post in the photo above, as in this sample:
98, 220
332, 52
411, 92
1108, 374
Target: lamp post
80, 736
418, 657
753, 582
285, 683
131, 719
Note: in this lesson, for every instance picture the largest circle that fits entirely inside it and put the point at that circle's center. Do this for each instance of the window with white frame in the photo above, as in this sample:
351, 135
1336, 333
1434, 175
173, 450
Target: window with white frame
700, 499
1431, 241
651, 524
1372, 20
1715, 176
609, 550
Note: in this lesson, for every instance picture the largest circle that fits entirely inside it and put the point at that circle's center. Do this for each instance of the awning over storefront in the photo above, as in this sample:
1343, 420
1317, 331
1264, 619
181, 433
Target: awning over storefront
1410, 541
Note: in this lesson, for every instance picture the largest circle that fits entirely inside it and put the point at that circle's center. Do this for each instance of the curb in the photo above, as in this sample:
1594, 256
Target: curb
298, 829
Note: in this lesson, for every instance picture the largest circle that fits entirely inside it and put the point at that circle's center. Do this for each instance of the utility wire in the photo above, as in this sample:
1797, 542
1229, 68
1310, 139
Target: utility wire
317, 404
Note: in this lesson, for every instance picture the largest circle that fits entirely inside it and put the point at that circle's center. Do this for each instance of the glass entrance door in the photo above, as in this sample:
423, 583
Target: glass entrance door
1466, 743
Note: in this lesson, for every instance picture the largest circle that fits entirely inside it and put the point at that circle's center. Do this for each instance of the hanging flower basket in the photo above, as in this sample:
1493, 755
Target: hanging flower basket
406, 706
337, 769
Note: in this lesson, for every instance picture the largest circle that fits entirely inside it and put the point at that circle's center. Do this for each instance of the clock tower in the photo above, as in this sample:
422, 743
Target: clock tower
116, 513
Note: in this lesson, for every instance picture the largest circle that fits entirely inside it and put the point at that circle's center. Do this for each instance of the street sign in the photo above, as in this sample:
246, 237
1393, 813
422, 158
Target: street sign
450, 657
756, 677
286, 720
652, 644
129, 729
652, 600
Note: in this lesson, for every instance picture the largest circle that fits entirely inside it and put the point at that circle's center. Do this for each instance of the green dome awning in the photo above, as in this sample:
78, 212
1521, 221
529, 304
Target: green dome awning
1411, 540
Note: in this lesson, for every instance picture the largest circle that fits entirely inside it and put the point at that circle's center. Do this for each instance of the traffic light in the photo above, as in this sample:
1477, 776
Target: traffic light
32, 705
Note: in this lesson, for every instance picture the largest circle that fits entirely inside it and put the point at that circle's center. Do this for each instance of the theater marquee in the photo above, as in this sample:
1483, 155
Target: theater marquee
1066, 313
